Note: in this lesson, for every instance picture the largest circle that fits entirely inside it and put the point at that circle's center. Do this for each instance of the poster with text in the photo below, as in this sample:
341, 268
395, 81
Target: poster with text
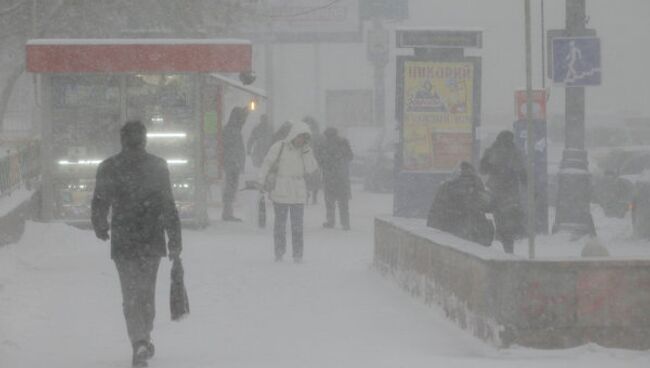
438, 114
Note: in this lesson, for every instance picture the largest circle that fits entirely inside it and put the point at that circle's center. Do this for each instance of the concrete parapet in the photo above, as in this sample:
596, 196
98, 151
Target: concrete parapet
505, 299
14, 212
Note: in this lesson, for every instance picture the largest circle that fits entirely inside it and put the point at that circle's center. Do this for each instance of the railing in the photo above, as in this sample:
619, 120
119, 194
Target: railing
19, 167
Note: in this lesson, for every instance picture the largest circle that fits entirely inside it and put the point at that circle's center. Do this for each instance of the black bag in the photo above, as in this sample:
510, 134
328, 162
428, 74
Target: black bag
272, 175
313, 180
178, 302
484, 231
261, 211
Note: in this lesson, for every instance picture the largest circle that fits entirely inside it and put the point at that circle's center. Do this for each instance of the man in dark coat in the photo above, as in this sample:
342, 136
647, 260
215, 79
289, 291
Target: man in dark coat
314, 182
460, 205
334, 158
504, 165
282, 132
234, 154
135, 187
260, 141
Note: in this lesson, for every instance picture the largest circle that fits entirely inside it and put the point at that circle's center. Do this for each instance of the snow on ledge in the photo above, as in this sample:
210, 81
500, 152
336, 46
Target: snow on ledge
136, 41
418, 228
10, 202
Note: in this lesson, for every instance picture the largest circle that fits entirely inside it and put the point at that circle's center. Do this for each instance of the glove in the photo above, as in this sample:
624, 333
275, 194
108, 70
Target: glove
102, 234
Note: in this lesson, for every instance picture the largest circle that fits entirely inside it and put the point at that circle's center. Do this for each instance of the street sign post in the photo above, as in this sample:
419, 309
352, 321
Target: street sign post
540, 169
576, 61
378, 46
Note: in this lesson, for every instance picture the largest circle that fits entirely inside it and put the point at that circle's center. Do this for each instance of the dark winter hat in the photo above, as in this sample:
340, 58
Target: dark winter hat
466, 168
505, 136
331, 132
238, 116
133, 135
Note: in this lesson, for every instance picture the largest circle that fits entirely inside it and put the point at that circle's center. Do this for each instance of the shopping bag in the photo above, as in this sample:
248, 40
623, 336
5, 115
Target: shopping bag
178, 302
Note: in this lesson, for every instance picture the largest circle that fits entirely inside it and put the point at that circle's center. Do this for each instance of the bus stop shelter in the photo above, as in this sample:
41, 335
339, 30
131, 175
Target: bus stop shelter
89, 87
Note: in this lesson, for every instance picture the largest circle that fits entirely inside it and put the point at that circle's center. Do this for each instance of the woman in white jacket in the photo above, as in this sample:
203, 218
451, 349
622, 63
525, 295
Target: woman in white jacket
289, 161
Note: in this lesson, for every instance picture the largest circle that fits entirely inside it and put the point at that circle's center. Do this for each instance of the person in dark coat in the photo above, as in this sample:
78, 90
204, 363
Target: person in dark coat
504, 165
234, 154
260, 141
314, 182
460, 205
334, 158
134, 186
282, 132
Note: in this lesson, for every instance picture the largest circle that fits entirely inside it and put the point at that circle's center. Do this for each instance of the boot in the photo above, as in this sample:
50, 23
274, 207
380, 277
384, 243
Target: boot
140, 354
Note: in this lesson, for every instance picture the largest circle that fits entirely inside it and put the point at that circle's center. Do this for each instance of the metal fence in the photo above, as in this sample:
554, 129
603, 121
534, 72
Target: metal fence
20, 167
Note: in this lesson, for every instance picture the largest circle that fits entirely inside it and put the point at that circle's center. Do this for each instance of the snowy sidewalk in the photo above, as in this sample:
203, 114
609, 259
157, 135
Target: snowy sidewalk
60, 306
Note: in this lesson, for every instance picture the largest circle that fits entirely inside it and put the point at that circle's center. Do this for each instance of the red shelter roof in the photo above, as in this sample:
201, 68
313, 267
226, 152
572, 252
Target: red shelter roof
138, 55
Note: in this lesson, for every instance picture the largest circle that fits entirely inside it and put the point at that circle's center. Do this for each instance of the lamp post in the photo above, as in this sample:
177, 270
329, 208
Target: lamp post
574, 180
530, 143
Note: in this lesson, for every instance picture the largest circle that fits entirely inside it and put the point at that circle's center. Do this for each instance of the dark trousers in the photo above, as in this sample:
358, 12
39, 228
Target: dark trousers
138, 281
330, 207
297, 212
231, 184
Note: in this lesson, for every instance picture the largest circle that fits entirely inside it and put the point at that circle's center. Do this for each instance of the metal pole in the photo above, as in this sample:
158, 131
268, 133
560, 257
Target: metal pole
543, 49
268, 64
380, 82
34, 21
269, 80
530, 143
574, 180
47, 163
317, 82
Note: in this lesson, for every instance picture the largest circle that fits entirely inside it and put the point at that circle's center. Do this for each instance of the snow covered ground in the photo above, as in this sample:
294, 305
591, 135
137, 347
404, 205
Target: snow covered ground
60, 306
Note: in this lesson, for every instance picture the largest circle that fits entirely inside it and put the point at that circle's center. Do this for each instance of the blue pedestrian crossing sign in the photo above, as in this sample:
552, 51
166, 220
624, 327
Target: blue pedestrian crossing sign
576, 61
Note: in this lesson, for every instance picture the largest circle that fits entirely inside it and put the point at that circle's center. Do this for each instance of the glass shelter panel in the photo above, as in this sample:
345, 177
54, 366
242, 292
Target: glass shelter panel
88, 111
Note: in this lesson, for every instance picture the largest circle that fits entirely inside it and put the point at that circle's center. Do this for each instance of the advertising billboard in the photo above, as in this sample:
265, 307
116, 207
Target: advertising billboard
437, 114
538, 104
299, 21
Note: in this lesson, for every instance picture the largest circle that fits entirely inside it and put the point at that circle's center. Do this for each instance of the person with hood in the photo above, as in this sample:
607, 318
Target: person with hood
504, 165
234, 155
314, 182
460, 205
260, 140
334, 160
283, 175
134, 186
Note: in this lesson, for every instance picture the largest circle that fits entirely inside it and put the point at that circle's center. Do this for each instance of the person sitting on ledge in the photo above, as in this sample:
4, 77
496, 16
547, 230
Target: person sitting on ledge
460, 205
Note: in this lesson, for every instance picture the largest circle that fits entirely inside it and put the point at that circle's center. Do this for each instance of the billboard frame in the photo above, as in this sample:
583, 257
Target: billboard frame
414, 190
399, 102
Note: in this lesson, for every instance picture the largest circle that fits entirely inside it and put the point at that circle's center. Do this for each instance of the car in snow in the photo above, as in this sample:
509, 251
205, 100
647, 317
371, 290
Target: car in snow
613, 181
625, 185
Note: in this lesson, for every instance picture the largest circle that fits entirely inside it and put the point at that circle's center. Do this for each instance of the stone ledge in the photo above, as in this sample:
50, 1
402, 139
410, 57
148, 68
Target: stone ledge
506, 299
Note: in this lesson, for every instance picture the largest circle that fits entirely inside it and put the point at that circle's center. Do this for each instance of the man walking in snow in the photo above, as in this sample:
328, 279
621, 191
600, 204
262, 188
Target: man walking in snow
135, 186
504, 165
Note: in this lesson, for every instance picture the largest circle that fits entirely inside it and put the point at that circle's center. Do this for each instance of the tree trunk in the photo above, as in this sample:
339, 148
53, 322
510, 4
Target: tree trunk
7, 89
